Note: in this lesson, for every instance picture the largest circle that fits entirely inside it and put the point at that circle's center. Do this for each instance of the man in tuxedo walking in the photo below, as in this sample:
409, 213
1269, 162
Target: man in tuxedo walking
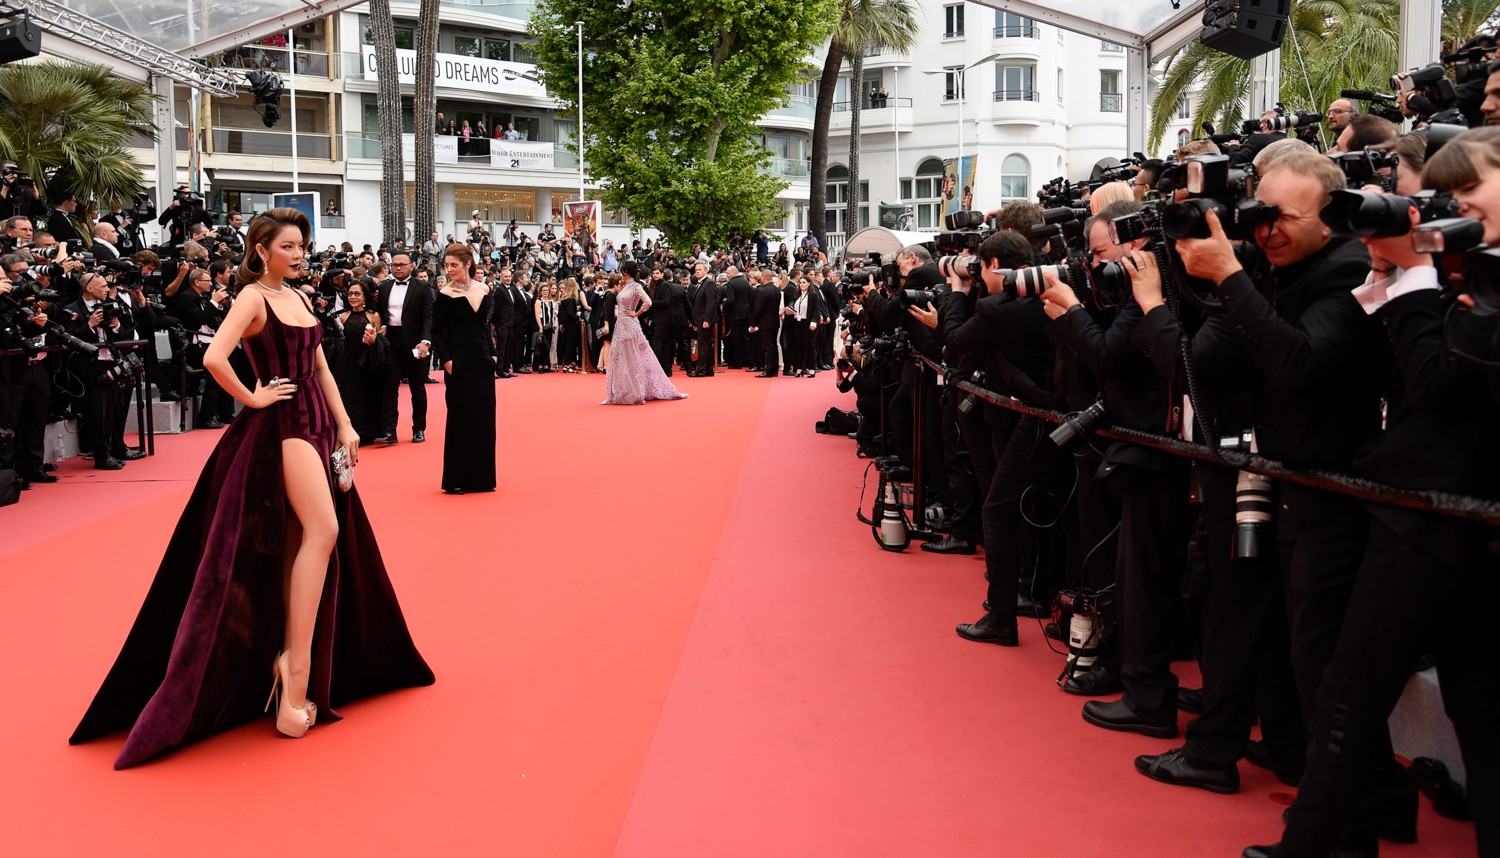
405, 307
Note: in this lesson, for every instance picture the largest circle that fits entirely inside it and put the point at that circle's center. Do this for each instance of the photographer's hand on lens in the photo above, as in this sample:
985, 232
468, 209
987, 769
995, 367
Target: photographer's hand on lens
1058, 298
926, 315
1145, 279
265, 395
1209, 258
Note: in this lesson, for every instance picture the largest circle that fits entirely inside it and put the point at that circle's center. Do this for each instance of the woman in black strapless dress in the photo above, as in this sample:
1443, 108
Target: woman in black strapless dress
460, 316
270, 558
361, 372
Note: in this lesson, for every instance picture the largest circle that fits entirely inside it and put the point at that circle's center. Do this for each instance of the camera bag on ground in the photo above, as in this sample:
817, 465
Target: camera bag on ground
837, 422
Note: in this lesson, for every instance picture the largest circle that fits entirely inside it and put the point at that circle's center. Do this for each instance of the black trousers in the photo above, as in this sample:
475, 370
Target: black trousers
770, 352
707, 339
737, 349
1246, 660
824, 356
964, 494
1030, 463
520, 346
1407, 600
1154, 525
664, 346
415, 371
25, 395
98, 408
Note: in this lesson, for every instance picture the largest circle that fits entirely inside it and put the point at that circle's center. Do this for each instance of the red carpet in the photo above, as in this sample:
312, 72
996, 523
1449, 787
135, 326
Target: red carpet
664, 635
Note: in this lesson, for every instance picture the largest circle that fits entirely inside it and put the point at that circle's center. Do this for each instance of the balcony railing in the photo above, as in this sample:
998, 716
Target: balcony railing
867, 103
242, 141
1111, 102
788, 168
1028, 30
799, 107
519, 9
331, 221
1017, 95
250, 57
954, 34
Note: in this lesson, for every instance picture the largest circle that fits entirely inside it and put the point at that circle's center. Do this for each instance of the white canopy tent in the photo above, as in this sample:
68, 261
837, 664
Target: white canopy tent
878, 239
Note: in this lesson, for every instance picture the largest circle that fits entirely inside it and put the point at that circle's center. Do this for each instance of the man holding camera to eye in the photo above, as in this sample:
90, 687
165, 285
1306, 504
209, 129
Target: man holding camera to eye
102, 321
180, 215
1003, 335
1315, 380
25, 379
18, 194
1152, 488
201, 305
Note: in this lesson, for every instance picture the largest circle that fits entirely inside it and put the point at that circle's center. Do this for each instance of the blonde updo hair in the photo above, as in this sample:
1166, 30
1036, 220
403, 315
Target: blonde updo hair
263, 230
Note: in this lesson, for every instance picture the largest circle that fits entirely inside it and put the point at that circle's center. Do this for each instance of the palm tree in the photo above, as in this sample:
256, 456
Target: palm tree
388, 100
861, 24
877, 24
1330, 45
1465, 19
69, 127
425, 117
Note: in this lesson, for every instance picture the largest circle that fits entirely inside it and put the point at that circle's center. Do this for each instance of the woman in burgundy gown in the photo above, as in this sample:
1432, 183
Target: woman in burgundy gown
270, 561
635, 375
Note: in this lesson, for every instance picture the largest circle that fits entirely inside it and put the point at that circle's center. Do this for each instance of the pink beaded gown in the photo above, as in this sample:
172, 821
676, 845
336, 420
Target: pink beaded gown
634, 374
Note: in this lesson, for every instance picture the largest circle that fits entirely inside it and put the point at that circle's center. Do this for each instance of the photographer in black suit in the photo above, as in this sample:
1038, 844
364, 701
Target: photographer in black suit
405, 303
201, 305
97, 320
1315, 374
1439, 435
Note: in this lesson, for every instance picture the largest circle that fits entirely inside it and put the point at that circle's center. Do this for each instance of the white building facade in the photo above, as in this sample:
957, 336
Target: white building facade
1039, 103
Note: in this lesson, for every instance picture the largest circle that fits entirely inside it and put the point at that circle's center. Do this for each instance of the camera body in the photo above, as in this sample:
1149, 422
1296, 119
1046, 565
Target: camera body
1365, 214
1215, 186
1363, 168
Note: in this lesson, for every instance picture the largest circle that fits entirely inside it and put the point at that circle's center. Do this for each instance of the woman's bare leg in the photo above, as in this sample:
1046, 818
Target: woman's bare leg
307, 493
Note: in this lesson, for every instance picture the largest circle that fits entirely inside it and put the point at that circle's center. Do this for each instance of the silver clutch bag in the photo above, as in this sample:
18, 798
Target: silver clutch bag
343, 469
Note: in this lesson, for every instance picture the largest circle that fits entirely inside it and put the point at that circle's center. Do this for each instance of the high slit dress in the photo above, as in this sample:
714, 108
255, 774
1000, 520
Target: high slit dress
198, 659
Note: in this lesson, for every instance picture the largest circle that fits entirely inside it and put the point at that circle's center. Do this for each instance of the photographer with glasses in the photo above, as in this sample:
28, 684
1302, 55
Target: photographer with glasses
1439, 435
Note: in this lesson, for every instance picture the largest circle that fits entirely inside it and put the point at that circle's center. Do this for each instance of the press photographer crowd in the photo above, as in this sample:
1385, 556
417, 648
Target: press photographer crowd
1185, 410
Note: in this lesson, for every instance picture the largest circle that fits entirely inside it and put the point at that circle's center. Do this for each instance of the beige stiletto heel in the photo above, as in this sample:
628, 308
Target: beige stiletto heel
290, 720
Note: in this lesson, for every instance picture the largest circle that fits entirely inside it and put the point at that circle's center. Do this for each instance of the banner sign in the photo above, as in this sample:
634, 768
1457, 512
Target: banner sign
455, 71
582, 216
520, 154
958, 184
444, 149
306, 202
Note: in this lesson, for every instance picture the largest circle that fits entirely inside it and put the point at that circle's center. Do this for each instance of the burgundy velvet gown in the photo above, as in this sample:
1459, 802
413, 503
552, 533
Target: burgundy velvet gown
198, 659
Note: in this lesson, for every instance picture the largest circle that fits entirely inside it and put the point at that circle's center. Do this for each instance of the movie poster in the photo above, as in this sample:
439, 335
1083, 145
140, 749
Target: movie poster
582, 216
958, 184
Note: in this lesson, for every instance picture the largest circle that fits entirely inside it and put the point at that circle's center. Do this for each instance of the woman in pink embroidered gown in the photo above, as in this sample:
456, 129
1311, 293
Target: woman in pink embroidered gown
635, 375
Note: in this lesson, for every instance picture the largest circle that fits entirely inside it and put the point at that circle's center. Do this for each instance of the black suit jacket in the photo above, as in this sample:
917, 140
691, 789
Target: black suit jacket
765, 311
706, 304
740, 292
103, 252
416, 311
504, 307
62, 229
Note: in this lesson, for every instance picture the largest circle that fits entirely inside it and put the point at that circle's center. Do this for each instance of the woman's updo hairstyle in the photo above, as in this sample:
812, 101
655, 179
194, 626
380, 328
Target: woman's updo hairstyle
263, 230
465, 255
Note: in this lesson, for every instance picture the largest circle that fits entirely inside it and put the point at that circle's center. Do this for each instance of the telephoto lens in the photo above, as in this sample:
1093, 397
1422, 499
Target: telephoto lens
1073, 430
1254, 510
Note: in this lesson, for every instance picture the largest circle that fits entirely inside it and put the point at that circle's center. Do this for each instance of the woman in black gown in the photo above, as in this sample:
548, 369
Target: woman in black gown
366, 360
270, 558
459, 318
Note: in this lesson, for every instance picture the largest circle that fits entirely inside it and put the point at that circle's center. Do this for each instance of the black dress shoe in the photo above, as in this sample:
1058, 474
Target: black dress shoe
427, 379
1097, 681
1257, 851
108, 464
1173, 767
453, 491
23, 484
525, 370
210, 423
1190, 700
132, 455
505, 375
1337, 852
1054, 631
766, 375
1257, 755
950, 545
38, 477
418, 437
990, 630
388, 440
169, 396
1115, 715
49, 467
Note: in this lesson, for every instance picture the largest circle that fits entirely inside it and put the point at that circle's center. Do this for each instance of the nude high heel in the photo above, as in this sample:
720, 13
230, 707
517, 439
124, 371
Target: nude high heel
290, 721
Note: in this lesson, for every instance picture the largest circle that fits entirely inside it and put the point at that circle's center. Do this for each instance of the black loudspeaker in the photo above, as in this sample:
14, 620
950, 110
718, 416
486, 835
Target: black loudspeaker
1244, 28
19, 39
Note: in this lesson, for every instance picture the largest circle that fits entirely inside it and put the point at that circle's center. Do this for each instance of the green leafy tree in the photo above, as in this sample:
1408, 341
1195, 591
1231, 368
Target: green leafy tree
672, 92
69, 126
873, 25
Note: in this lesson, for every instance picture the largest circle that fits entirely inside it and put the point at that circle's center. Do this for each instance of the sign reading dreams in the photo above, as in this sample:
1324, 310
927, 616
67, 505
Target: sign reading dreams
454, 71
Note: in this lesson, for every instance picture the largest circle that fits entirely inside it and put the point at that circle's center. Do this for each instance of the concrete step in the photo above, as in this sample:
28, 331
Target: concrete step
166, 417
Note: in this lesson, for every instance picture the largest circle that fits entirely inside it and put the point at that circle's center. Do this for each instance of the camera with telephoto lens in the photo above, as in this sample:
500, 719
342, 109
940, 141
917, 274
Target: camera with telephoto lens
965, 265
1284, 120
963, 233
1430, 94
1060, 193
123, 372
1121, 172
112, 308
1214, 186
21, 179
896, 346
1363, 168
143, 207
1076, 427
1075, 274
1366, 214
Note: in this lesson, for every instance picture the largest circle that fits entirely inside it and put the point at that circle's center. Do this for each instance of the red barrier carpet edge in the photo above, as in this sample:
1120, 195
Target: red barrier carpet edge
664, 635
